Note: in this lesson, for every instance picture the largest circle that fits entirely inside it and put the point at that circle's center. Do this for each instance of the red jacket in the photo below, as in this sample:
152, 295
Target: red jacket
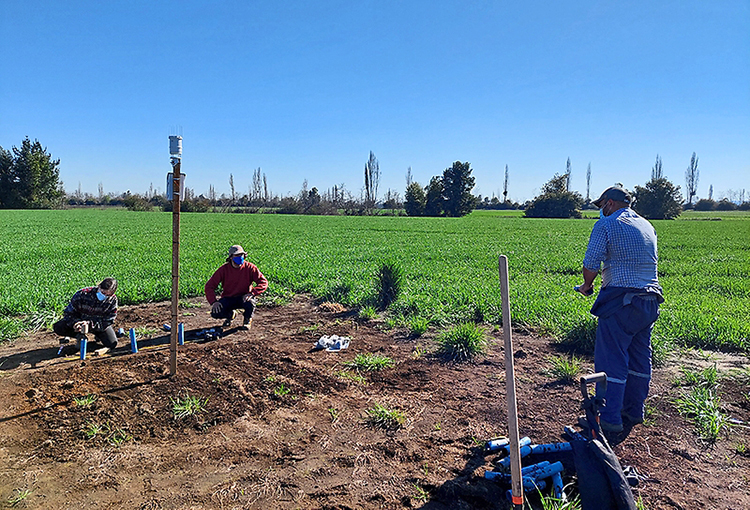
236, 281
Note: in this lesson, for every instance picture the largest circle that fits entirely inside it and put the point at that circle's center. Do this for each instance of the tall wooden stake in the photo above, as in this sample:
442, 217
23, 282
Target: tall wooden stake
175, 264
510, 386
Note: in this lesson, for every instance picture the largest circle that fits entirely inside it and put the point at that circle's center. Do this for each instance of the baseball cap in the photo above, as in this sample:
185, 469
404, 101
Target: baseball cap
615, 193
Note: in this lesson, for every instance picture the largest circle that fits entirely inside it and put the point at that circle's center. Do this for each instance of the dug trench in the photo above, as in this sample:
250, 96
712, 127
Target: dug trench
284, 426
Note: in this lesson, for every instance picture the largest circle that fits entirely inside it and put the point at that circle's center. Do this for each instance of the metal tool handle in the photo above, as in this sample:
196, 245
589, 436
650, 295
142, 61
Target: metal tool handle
599, 377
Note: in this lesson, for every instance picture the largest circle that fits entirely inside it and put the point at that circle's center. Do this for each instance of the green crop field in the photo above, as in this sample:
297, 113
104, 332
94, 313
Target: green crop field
449, 264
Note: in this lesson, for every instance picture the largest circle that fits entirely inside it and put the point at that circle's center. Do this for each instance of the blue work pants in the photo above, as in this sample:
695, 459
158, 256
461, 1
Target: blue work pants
623, 351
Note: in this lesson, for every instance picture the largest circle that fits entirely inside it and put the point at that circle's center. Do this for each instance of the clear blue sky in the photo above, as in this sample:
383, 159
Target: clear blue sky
304, 90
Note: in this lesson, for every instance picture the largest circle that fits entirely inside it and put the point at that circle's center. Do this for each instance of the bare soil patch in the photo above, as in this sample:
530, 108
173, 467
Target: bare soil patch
284, 427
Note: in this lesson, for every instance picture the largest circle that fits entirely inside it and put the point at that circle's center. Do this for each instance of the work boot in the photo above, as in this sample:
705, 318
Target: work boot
228, 322
246, 323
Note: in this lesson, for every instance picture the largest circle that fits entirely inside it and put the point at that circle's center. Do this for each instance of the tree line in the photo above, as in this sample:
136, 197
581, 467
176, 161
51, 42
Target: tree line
30, 179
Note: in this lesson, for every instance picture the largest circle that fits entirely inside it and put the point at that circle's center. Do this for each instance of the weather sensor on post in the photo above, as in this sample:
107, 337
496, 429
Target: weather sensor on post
175, 152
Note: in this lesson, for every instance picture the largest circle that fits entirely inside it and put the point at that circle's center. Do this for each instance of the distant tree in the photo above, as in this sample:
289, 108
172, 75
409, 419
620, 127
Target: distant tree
29, 178
265, 189
568, 171
415, 199
8, 193
137, 203
705, 204
691, 178
409, 178
391, 200
726, 205
588, 183
656, 172
434, 197
372, 180
457, 186
555, 201
505, 185
257, 185
658, 200
231, 188
711, 192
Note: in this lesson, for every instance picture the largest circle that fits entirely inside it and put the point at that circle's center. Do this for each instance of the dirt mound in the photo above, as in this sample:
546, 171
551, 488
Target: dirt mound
285, 426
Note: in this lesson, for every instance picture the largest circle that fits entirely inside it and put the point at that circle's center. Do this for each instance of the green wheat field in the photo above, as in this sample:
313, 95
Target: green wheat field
450, 266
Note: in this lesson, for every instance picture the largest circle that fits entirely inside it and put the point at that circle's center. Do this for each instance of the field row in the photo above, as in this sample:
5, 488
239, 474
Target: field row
450, 265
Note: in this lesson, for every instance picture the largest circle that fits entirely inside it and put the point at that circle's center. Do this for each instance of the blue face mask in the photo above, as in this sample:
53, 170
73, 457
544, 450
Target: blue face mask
601, 214
238, 260
100, 296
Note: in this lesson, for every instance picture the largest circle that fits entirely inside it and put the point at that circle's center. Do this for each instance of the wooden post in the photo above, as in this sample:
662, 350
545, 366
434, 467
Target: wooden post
510, 387
175, 264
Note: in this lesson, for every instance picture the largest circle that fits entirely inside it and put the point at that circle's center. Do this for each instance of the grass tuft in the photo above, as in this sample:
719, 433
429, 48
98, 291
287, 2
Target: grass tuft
367, 313
564, 369
189, 405
370, 362
702, 404
281, 390
85, 401
418, 326
20, 495
463, 342
381, 417
390, 281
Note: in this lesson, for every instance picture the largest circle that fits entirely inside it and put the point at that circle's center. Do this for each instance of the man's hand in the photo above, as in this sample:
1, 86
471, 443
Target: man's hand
80, 325
585, 289
247, 297
216, 307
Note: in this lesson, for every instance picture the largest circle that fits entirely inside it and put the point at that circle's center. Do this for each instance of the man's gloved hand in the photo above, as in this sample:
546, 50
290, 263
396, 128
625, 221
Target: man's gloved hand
247, 297
216, 307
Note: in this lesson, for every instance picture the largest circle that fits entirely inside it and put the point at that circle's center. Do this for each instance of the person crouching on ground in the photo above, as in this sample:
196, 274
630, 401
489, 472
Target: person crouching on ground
236, 278
623, 245
93, 309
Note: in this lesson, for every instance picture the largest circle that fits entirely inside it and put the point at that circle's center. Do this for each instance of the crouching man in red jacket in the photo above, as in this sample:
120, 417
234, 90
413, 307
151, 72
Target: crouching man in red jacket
241, 282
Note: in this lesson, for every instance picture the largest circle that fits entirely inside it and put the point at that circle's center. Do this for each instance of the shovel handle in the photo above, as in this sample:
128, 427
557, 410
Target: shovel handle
599, 377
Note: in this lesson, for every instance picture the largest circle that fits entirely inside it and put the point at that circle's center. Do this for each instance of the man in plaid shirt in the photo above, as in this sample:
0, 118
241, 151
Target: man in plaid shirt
623, 248
96, 309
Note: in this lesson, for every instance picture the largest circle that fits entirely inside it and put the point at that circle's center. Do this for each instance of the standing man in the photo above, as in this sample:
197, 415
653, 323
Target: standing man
92, 309
236, 278
623, 247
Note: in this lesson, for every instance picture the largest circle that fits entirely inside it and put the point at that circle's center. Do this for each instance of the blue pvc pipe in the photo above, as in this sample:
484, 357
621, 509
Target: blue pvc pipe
547, 471
528, 485
83, 341
181, 334
557, 486
504, 444
537, 449
133, 341
550, 448
526, 471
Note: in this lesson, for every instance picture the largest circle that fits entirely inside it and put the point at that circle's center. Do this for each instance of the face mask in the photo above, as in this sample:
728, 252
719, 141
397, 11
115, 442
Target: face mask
238, 260
100, 296
601, 213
